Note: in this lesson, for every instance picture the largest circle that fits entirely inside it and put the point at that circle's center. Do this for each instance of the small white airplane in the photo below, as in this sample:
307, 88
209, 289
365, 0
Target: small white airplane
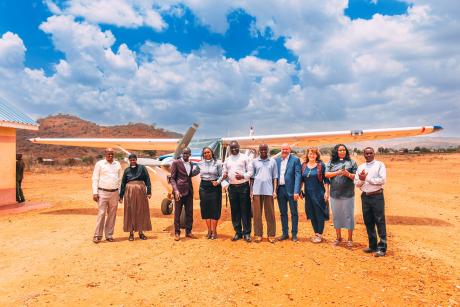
161, 167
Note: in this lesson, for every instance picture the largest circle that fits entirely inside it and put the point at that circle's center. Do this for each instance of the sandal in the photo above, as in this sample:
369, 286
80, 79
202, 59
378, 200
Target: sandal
349, 244
337, 242
131, 237
318, 239
142, 236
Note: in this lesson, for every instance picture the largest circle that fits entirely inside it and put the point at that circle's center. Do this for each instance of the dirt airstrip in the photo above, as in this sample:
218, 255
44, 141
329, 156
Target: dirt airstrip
47, 256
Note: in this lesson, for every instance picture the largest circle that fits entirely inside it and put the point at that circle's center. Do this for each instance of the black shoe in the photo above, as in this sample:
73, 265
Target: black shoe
294, 238
283, 237
380, 254
142, 236
236, 237
131, 237
247, 238
369, 250
109, 239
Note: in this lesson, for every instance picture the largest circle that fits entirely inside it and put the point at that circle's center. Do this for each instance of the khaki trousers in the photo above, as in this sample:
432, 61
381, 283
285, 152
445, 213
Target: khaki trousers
265, 203
108, 201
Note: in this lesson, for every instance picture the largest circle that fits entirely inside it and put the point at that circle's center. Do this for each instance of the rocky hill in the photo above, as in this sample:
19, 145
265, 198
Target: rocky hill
62, 125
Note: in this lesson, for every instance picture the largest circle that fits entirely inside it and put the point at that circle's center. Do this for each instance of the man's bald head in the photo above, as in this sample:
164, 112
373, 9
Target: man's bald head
263, 151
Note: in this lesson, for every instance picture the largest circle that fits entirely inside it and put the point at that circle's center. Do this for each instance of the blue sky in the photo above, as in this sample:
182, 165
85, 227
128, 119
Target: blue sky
317, 65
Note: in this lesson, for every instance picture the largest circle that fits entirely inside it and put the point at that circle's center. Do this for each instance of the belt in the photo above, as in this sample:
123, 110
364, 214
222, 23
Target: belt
373, 193
107, 190
239, 184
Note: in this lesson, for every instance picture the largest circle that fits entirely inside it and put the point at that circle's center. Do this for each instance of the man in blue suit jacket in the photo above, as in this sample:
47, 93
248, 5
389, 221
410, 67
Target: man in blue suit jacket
289, 180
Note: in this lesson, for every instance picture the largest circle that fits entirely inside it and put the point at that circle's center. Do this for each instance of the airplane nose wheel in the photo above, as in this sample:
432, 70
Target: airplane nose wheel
167, 206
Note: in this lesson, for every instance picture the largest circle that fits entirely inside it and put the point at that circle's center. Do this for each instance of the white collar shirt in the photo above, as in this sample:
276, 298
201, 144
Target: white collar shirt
106, 175
238, 164
187, 166
375, 179
283, 167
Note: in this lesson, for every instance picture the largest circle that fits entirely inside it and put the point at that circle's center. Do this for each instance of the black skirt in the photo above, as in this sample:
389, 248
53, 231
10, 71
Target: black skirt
210, 200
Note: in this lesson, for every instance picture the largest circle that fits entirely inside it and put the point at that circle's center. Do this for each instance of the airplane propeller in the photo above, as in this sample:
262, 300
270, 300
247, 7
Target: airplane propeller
185, 140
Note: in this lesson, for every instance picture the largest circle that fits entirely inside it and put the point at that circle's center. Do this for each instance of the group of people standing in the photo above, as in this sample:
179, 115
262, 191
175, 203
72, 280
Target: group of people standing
253, 185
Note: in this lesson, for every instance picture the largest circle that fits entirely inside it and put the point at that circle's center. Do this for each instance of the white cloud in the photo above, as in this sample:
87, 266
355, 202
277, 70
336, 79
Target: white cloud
121, 13
12, 51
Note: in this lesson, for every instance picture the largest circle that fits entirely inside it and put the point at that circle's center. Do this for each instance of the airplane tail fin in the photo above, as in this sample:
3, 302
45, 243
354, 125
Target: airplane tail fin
185, 140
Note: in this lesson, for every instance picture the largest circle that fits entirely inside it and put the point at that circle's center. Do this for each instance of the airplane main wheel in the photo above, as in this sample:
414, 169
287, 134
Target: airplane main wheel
166, 206
182, 219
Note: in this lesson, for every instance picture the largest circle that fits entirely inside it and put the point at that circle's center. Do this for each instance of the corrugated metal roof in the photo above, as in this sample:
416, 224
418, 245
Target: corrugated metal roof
11, 114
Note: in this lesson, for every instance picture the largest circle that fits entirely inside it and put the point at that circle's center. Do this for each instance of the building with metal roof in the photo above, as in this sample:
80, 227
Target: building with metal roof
11, 118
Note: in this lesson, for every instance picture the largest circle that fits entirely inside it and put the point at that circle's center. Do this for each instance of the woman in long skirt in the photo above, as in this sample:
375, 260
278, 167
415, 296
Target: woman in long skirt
135, 190
316, 187
210, 190
341, 171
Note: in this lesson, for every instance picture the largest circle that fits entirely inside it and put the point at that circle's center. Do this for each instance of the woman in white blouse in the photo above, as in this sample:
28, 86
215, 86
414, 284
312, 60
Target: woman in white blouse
210, 190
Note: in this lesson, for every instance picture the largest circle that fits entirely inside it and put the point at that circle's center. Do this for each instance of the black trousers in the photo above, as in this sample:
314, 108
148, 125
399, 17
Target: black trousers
240, 205
187, 202
374, 217
19, 194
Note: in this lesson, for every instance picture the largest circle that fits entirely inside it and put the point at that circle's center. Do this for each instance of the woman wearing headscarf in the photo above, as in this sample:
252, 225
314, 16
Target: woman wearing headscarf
135, 191
210, 190
341, 171
316, 189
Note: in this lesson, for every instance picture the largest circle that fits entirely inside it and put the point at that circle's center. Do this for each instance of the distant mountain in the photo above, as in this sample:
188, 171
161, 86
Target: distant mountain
63, 125
410, 143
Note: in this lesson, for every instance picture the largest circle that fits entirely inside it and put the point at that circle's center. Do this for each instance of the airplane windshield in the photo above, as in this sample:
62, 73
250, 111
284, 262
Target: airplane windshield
215, 144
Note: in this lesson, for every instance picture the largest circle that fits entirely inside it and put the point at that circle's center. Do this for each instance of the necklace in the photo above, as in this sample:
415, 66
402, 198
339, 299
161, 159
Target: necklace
310, 169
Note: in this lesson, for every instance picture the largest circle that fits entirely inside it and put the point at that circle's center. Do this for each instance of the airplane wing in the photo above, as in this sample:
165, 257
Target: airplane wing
127, 143
326, 138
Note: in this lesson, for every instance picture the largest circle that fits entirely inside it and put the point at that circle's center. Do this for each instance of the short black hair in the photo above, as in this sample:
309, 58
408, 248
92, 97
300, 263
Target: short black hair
132, 156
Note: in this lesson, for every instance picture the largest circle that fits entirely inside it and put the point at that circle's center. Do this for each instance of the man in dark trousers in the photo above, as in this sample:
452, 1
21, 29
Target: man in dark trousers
370, 178
182, 171
20, 166
289, 180
238, 168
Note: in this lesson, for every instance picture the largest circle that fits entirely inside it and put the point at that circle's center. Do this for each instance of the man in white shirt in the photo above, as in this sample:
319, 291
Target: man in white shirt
106, 182
238, 168
370, 178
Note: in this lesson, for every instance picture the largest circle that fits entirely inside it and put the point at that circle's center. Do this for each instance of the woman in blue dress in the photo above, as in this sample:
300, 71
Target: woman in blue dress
341, 173
316, 189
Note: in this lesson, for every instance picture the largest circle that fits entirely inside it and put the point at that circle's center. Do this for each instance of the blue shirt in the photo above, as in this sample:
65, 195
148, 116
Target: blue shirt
264, 173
